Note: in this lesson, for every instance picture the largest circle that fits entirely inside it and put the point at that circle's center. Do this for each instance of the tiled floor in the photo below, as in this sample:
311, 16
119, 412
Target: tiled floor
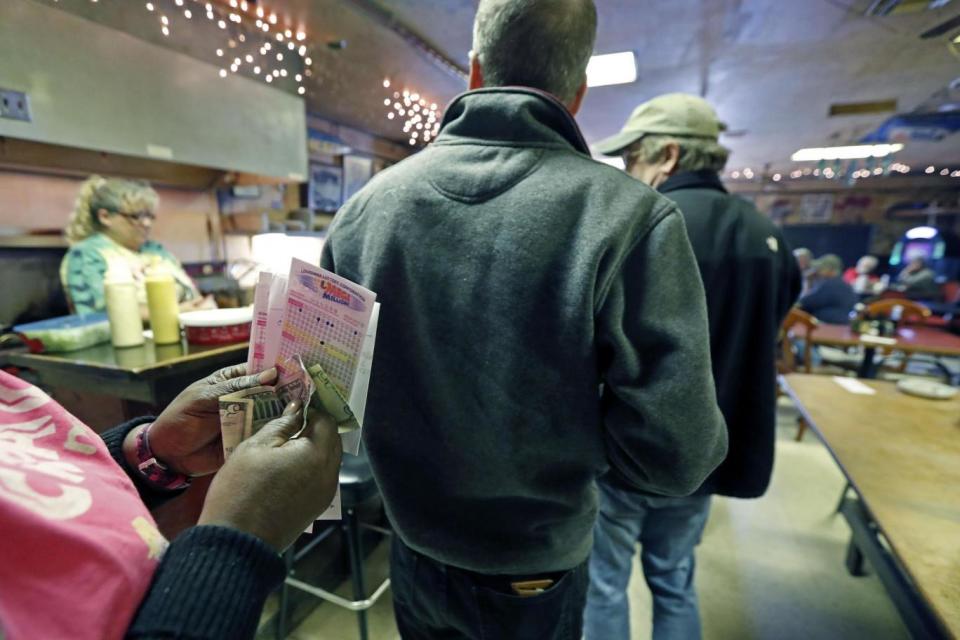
767, 569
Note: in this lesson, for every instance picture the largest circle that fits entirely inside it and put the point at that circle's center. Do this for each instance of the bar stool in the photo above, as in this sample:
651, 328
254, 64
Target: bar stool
356, 487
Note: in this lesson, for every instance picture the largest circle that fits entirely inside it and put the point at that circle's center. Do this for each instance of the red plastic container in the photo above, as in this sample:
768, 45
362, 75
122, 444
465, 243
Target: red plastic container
217, 326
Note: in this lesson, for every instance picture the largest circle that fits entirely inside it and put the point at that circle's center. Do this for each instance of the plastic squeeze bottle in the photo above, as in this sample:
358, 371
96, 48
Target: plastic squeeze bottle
123, 309
162, 304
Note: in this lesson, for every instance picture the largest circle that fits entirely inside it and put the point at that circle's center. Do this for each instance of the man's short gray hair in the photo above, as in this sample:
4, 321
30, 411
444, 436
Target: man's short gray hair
543, 44
696, 154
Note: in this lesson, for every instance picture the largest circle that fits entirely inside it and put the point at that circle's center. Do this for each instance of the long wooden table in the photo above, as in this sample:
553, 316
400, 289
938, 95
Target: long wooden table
901, 454
909, 339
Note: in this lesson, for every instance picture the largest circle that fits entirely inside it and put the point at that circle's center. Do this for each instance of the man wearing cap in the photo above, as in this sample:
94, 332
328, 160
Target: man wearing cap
751, 281
830, 299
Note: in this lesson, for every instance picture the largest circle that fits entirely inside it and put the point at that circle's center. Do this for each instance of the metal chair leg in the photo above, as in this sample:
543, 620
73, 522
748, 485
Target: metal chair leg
355, 550
281, 631
855, 560
843, 495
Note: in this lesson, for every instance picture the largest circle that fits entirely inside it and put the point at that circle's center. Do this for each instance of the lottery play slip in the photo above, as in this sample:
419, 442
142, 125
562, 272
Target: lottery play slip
319, 330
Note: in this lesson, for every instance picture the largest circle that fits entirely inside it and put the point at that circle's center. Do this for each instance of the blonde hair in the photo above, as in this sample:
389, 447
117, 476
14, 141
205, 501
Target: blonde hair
112, 194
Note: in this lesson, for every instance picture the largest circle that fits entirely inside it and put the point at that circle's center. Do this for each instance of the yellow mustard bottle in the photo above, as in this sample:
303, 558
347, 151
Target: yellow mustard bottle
163, 307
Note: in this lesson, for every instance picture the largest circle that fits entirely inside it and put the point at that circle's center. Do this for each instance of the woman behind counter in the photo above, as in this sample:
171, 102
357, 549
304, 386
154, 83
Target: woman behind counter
111, 224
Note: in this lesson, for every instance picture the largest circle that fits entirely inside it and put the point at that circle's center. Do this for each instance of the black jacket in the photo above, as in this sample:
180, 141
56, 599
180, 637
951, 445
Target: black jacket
751, 279
212, 581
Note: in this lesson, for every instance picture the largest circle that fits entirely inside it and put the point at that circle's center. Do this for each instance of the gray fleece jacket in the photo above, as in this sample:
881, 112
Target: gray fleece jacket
543, 319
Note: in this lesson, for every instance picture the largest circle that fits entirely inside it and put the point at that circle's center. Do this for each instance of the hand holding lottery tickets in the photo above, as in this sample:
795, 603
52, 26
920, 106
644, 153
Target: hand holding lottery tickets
319, 330
274, 484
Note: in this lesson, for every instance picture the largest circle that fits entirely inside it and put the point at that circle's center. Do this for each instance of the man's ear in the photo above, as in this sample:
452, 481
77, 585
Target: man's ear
671, 158
475, 81
574, 106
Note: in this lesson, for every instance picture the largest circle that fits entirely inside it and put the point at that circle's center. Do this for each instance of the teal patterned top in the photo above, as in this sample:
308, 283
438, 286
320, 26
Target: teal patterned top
85, 265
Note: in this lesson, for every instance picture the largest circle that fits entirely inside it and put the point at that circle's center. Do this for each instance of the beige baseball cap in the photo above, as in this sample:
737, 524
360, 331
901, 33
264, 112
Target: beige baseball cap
677, 114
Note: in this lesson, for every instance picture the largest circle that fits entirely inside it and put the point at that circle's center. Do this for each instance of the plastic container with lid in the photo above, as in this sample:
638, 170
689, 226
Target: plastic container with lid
67, 333
217, 326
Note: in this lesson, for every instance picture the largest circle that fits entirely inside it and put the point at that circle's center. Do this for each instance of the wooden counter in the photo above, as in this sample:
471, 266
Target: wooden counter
902, 456
149, 374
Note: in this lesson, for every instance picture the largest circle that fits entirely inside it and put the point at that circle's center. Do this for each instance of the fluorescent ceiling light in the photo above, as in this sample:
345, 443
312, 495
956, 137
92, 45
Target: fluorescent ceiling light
612, 68
924, 233
845, 153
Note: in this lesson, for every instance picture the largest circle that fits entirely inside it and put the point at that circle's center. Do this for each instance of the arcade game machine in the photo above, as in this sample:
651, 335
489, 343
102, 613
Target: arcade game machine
940, 249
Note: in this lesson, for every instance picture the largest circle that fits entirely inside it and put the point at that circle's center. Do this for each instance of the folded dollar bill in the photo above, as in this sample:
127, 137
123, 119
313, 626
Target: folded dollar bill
243, 413
330, 398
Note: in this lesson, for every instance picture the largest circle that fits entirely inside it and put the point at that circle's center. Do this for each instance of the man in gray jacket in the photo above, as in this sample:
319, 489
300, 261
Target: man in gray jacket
543, 320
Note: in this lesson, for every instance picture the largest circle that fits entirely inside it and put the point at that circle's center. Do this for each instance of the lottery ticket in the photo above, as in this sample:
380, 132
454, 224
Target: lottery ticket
326, 322
258, 328
319, 330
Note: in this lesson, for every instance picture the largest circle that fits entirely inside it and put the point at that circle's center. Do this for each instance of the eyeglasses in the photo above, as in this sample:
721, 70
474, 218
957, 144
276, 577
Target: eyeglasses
139, 217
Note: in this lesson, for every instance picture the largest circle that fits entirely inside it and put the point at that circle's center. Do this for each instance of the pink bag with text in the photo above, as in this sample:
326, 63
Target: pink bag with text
78, 548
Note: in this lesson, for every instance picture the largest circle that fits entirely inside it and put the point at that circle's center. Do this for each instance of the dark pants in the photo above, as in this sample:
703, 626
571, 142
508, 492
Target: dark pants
434, 601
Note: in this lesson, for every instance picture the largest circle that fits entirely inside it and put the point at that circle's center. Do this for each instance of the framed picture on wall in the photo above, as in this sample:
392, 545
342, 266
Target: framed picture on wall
816, 207
326, 187
357, 171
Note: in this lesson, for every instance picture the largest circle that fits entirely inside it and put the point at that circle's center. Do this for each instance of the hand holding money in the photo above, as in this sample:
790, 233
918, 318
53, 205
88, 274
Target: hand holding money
186, 436
274, 485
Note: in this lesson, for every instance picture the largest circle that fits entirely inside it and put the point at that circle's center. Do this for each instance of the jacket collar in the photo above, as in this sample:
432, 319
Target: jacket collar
704, 179
510, 115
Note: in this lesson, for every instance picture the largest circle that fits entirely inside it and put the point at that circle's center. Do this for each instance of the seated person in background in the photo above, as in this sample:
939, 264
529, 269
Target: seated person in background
111, 224
804, 259
829, 299
861, 277
82, 556
918, 280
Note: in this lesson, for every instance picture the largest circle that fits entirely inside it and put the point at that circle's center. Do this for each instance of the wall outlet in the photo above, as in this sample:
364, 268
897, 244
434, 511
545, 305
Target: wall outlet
14, 105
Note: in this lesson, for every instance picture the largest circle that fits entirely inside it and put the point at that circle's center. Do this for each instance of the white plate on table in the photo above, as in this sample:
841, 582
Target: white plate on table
926, 389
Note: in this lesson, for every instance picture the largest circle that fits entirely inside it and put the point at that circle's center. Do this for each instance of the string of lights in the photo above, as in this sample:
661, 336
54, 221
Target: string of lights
421, 118
850, 172
255, 39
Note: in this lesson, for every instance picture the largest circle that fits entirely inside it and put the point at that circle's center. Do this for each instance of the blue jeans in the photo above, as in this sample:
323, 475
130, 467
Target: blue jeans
434, 601
799, 345
667, 529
